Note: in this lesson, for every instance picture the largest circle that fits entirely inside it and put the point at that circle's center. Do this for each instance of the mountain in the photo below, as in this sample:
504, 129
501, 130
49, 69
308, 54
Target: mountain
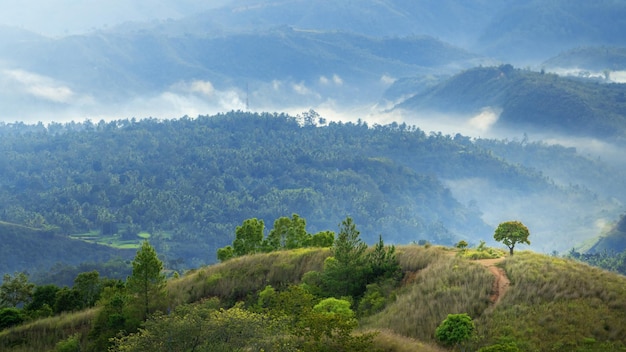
532, 101
589, 60
277, 56
614, 240
96, 73
534, 30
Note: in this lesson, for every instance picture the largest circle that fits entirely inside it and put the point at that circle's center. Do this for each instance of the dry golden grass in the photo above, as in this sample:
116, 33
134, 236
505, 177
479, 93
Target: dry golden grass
444, 284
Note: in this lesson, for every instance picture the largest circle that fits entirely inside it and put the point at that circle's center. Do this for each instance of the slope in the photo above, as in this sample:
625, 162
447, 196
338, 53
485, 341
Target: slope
551, 304
613, 241
533, 101
190, 182
28, 249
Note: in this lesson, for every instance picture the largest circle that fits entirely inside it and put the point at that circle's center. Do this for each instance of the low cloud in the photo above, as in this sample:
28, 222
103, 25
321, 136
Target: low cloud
38, 86
484, 120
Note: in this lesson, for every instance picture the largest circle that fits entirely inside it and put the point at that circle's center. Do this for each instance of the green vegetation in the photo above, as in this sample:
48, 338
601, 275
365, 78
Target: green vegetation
557, 304
480, 252
552, 304
190, 182
455, 330
532, 100
56, 253
511, 233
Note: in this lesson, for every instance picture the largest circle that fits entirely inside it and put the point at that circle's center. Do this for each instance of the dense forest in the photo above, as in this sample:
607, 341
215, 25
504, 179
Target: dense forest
187, 183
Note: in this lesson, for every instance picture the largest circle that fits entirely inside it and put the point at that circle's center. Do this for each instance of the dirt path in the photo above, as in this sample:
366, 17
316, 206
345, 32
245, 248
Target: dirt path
501, 284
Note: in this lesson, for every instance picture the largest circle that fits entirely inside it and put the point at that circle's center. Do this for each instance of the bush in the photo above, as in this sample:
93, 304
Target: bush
10, 317
71, 344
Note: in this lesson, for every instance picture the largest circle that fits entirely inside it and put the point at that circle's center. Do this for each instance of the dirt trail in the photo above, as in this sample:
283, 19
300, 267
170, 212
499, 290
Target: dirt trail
501, 284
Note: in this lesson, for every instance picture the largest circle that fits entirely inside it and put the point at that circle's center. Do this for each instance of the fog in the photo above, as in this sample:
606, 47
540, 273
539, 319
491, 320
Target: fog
55, 18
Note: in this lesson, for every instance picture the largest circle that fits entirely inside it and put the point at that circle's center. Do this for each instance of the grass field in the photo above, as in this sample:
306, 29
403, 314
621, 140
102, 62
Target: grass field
115, 240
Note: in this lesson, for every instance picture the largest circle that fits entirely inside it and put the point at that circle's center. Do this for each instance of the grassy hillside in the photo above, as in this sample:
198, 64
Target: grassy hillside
551, 303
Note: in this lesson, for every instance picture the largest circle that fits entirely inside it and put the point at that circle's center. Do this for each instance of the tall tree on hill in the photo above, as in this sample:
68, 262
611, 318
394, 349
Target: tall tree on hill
345, 273
248, 237
147, 282
511, 233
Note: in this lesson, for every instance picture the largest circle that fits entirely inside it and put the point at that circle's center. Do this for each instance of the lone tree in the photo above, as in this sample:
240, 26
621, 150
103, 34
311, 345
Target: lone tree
511, 233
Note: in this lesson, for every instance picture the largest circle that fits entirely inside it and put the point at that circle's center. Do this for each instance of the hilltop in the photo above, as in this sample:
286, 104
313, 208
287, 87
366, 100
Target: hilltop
550, 304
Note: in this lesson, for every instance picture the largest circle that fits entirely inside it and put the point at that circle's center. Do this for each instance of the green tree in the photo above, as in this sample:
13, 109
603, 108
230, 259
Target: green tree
147, 282
89, 286
70, 344
15, 290
288, 233
202, 327
511, 233
225, 253
248, 237
43, 296
456, 329
345, 272
67, 300
112, 318
383, 263
323, 239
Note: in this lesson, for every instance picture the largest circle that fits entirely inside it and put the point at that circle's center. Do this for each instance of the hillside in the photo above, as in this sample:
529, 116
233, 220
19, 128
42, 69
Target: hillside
532, 101
613, 241
590, 58
32, 250
189, 182
551, 303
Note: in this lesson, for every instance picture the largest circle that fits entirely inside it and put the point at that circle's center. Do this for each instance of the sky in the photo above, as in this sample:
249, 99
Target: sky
65, 17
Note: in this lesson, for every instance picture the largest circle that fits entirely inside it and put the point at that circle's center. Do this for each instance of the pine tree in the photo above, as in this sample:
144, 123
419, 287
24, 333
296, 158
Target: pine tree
147, 282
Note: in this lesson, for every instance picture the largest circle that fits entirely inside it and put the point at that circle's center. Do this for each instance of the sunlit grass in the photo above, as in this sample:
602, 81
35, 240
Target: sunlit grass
558, 305
552, 304
439, 284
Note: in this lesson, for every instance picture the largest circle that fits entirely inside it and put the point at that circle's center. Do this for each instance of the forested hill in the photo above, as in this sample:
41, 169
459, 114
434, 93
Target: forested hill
535, 101
190, 182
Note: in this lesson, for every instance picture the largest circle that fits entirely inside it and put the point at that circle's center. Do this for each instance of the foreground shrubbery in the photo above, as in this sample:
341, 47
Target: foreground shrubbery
551, 304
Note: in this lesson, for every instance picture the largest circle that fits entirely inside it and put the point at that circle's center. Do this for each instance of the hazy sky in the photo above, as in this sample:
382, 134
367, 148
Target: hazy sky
62, 17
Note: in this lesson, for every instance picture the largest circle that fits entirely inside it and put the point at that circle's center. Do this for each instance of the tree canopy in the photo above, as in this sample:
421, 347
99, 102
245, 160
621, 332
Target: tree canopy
511, 233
